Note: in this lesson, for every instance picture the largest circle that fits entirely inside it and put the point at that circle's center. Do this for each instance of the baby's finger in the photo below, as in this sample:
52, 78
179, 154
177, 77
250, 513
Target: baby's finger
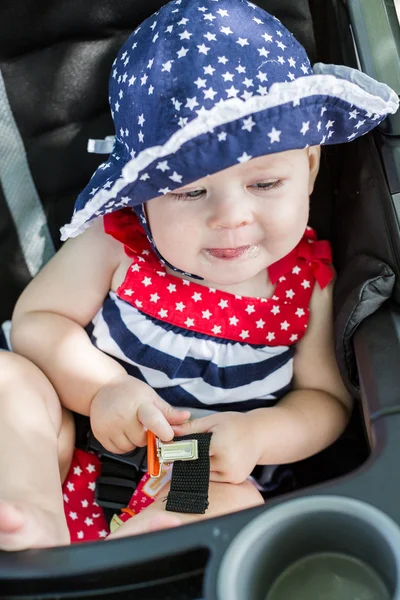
153, 419
202, 425
173, 415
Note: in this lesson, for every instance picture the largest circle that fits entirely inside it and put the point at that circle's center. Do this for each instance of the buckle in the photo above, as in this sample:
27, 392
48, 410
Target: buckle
164, 453
110, 487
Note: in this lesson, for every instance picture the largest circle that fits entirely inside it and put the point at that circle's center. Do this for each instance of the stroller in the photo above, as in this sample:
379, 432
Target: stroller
55, 59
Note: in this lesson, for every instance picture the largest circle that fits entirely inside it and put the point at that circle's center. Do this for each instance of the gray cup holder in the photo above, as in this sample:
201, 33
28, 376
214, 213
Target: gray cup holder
304, 527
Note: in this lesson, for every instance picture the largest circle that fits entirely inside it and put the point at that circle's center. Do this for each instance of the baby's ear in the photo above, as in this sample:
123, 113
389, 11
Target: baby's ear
314, 155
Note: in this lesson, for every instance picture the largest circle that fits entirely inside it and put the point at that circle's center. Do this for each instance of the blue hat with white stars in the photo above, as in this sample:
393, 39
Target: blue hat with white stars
201, 86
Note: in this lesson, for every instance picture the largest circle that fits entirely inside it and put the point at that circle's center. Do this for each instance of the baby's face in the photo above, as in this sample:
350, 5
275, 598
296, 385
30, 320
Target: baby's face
230, 226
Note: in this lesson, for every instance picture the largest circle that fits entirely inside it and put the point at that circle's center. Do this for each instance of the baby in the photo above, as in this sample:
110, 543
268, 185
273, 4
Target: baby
191, 256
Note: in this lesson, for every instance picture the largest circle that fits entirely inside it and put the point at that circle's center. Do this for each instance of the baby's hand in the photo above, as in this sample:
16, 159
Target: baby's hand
233, 451
122, 411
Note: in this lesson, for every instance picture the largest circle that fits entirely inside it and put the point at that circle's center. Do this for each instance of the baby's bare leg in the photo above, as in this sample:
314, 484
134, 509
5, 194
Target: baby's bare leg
223, 497
31, 419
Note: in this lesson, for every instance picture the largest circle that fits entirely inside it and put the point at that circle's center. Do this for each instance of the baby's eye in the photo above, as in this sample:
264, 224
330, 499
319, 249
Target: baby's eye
267, 185
193, 195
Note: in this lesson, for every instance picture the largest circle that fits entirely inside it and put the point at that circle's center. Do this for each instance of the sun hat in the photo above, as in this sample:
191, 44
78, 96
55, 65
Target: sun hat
201, 86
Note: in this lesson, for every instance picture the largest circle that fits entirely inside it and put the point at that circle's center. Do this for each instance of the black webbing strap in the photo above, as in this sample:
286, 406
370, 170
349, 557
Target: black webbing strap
190, 479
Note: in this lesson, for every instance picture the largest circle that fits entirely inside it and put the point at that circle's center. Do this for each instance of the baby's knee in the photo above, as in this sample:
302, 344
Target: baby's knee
235, 496
66, 443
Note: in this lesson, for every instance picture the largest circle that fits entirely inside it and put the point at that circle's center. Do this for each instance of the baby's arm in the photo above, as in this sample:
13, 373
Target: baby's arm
48, 328
50, 316
316, 412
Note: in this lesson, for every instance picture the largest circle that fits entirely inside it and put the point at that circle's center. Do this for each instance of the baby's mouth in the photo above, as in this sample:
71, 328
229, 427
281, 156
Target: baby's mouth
230, 253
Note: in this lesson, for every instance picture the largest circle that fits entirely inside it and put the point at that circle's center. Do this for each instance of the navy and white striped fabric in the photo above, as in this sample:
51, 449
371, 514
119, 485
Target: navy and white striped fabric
191, 369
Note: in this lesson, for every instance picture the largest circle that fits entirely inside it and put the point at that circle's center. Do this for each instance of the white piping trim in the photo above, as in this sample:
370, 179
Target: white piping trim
382, 101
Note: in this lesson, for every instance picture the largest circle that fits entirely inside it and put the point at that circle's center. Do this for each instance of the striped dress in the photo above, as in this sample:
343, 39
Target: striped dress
204, 348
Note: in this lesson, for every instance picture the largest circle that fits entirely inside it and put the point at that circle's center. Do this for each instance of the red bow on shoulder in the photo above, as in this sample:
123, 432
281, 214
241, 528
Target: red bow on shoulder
317, 253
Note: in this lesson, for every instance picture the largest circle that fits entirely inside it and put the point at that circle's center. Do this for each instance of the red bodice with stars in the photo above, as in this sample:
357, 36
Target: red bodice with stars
277, 321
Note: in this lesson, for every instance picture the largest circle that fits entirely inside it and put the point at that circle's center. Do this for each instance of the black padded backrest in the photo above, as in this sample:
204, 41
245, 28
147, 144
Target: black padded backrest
55, 60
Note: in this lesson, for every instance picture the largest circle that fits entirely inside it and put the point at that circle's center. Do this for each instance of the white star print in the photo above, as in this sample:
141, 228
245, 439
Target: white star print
353, 114
140, 136
223, 304
248, 124
222, 59
70, 486
132, 80
248, 82
242, 42
261, 76
210, 93
80, 535
185, 35
180, 306
90, 468
191, 103
258, 21
359, 124
171, 288
103, 533
232, 92
216, 329
291, 76
84, 503
151, 90
244, 158
143, 79
203, 49
167, 66
77, 471
183, 21
154, 297
260, 323
228, 76
200, 82
285, 325
139, 303
296, 270
304, 69
292, 62
66, 499
88, 521
223, 13
182, 121
222, 136
262, 90
280, 45
274, 135
300, 312
250, 309
306, 284
189, 322
209, 17
281, 60
290, 294
211, 37
275, 310
163, 166
263, 52
270, 336
329, 124
73, 516
323, 110
208, 70
267, 37
146, 281
350, 137
141, 120
196, 296
176, 177
233, 320
163, 313
206, 314
182, 52
241, 69
226, 30
305, 127
293, 337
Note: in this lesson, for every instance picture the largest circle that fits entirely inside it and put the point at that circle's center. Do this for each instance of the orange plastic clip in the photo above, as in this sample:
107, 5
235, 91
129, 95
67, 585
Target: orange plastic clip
153, 462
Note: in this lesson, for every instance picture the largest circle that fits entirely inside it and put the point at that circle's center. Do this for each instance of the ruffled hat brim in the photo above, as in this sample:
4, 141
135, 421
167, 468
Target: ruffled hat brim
335, 104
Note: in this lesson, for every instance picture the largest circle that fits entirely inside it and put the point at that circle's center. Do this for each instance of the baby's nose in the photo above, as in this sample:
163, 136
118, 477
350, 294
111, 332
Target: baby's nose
230, 212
